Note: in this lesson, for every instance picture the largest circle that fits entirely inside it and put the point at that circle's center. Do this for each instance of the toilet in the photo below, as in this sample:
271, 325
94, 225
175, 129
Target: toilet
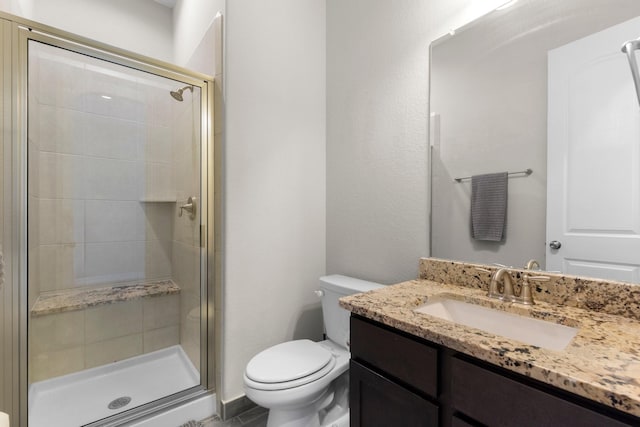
305, 383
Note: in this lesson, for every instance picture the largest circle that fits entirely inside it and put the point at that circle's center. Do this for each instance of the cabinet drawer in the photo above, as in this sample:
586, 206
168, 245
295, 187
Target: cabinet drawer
375, 401
494, 400
403, 358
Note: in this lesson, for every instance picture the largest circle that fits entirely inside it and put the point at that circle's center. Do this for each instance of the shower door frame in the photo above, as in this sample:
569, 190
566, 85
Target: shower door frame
21, 31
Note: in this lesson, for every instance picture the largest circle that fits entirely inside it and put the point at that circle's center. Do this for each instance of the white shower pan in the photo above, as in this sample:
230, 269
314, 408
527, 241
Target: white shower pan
84, 397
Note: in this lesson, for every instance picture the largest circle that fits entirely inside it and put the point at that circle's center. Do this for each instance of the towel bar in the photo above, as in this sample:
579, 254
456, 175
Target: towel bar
526, 172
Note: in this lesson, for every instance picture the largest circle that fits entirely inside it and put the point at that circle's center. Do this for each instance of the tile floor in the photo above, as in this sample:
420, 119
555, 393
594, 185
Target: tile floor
256, 417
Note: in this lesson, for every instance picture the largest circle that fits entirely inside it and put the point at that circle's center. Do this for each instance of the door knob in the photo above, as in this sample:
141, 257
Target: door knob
554, 244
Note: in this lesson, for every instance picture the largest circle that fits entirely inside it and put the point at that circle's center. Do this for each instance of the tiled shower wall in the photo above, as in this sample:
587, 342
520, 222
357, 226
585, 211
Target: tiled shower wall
100, 144
105, 149
63, 343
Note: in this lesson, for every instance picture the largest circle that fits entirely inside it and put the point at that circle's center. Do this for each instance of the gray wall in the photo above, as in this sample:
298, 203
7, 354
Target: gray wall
377, 107
489, 89
377, 76
491, 106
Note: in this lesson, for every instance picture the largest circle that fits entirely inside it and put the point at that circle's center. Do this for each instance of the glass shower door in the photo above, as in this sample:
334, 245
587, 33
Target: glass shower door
115, 261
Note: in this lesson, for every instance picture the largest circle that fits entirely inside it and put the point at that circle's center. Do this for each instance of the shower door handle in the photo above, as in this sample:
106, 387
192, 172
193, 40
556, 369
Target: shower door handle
1, 268
190, 207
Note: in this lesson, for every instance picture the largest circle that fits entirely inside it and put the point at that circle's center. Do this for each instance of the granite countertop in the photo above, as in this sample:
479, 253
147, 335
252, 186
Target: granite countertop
601, 363
81, 298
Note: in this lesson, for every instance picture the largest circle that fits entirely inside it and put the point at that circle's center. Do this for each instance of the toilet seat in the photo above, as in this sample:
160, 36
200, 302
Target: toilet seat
287, 365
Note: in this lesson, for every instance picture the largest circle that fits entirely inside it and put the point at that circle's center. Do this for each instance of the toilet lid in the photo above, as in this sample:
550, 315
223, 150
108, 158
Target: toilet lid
288, 361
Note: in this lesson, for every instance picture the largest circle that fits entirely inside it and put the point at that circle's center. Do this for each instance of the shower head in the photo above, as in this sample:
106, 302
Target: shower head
177, 95
630, 46
629, 49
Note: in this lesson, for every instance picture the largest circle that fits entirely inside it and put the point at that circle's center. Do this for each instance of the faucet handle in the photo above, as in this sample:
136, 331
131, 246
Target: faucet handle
526, 296
484, 270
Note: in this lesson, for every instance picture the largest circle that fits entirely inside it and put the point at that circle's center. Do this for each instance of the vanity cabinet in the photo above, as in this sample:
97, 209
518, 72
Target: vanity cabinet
378, 401
384, 392
397, 379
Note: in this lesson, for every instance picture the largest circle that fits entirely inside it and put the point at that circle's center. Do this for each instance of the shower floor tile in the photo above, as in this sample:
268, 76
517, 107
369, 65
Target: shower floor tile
256, 417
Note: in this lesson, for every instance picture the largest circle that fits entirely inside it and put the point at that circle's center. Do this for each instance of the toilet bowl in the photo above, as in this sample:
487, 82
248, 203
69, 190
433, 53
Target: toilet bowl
299, 388
305, 383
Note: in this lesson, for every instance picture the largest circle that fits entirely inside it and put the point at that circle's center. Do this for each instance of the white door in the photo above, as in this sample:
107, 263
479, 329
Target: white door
593, 166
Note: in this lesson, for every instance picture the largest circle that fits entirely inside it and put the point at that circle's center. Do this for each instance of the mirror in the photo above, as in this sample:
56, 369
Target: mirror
511, 90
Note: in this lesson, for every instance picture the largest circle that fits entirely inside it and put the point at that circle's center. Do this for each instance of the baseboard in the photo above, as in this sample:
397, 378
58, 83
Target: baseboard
235, 407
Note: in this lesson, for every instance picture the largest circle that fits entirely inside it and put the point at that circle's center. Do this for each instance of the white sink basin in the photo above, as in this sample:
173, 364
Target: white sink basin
530, 331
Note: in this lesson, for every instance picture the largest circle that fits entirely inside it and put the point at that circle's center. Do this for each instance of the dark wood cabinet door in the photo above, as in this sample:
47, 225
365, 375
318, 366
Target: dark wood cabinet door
376, 401
402, 358
401, 381
495, 400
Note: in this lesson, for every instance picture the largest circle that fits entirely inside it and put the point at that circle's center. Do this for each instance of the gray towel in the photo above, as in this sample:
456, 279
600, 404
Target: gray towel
489, 206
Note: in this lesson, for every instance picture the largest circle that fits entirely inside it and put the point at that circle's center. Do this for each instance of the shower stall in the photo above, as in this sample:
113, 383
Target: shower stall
107, 231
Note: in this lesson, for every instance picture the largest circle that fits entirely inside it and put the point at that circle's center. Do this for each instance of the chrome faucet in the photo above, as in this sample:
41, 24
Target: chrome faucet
503, 275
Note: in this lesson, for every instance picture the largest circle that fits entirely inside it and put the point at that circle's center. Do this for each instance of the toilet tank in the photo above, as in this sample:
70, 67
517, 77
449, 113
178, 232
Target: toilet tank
336, 319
